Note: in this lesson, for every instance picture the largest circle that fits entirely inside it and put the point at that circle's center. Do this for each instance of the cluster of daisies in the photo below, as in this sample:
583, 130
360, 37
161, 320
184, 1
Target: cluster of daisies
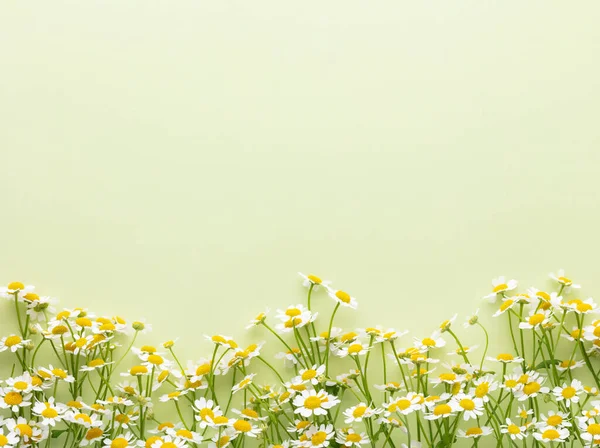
94, 385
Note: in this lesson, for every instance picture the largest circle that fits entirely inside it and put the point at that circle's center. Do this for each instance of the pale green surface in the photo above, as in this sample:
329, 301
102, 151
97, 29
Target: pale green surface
182, 160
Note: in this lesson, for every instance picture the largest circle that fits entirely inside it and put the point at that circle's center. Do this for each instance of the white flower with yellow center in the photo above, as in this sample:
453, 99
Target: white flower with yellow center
299, 426
14, 400
172, 396
349, 437
199, 369
18, 288
464, 350
472, 319
535, 320
499, 287
390, 386
23, 383
506, 305
123, 441
587, 306
169, 442
405, 405
205, 410
49, 411
448, 378
445, 325
442, 410
137, 371
95, 364
314, 281
85, 420
434, 341
185, 435
569, 364
156, 362
532, 389
244, 427
359, 412
223, 341
513, 430
39, 307
312, 374
505, 358
318, 436
355, 348
389, 335
551, 434
13, 343
565, 282
289, 357
311, 402
324, 336
27, 430
475, 432
590, 430
568, 393
223, 438
284, 444
258, 319
8, 439
555, 418
342, 298
470, 406
249, 414
244, 383
483, 386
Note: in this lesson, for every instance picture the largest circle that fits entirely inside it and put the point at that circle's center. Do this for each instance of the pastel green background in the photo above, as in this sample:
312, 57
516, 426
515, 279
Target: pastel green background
181, 161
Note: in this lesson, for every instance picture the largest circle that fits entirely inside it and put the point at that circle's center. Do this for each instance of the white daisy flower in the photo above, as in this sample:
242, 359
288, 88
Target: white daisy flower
569, 393
359, 412
515, 432
565, 282
343, 298
500, 286
309, 403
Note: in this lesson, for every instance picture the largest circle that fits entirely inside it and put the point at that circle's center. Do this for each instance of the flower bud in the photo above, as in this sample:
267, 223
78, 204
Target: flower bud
138, 326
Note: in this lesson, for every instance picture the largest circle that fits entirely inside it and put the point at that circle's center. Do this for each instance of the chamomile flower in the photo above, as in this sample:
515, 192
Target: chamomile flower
551, 434
17, 288
169, 442
515, 432
258, 319
499, 287
471, 407
13, 343
554, 418
569, 393
24, 383
535, 320
309, 403
475, 432
49, 411
205, 410
349, 437
569, 364
8, 439
358, 413
435, 341
505, 358
319, 436
464, 350
483, 386
405, 405
314, 281
506, 305
92, 435
442, 410
13, 400
565, 282
343, 298
245, 427
244, 383
184, 435
356, 348
532, 389
312, 374
223, 439
390, 386
122, 441
95, 364
85, 420
472, 319
27, 431
249, 414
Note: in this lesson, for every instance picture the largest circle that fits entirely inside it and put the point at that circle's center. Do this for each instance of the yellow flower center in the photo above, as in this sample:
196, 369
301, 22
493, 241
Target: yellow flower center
348, 336
250, 413
428, 342
220, 419
49, 413
83, 322
536, 319
343, 296
119, 442
554, 420
155, 359
138, 370
550, 434
96, 362
224, 440
506, 304
467, 404
313, 278
203, 369
168, 445
318, 438
31, 296
568, 392
353, 437
359, 411
11, 341
13, 398
448, 376
505, 357
584, 307
309, 374
152, 440
312, 402
513, 429
20, 385
184, 433
60, 329
24, 429
482, 390
594, 429
242, 426
83, 417
293, 312
501, 287
576, 334
531, 388
403, 404
565, 281
354, 349
474, 431
16, 285
60, 373
442, 409
205, 413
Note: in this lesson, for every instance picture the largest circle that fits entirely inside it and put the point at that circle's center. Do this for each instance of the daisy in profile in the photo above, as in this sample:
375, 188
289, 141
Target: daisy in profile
205, 410
565, 282
8, 439
349, 437
499, 287
16, 288
310, 403
122, 441
343, 298
505, 358
13, 343
532, 389
554, 418
356, 348
169, 442
569, 393
442, 410
244, 427
314, 281
535, 320
319, 436
551, 434
312, 374
244, 383
49, 411
223, 438
259, 319
475, 432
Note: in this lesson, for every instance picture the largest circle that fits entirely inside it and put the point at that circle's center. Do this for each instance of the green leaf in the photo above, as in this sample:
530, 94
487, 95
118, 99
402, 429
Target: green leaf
547, 363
